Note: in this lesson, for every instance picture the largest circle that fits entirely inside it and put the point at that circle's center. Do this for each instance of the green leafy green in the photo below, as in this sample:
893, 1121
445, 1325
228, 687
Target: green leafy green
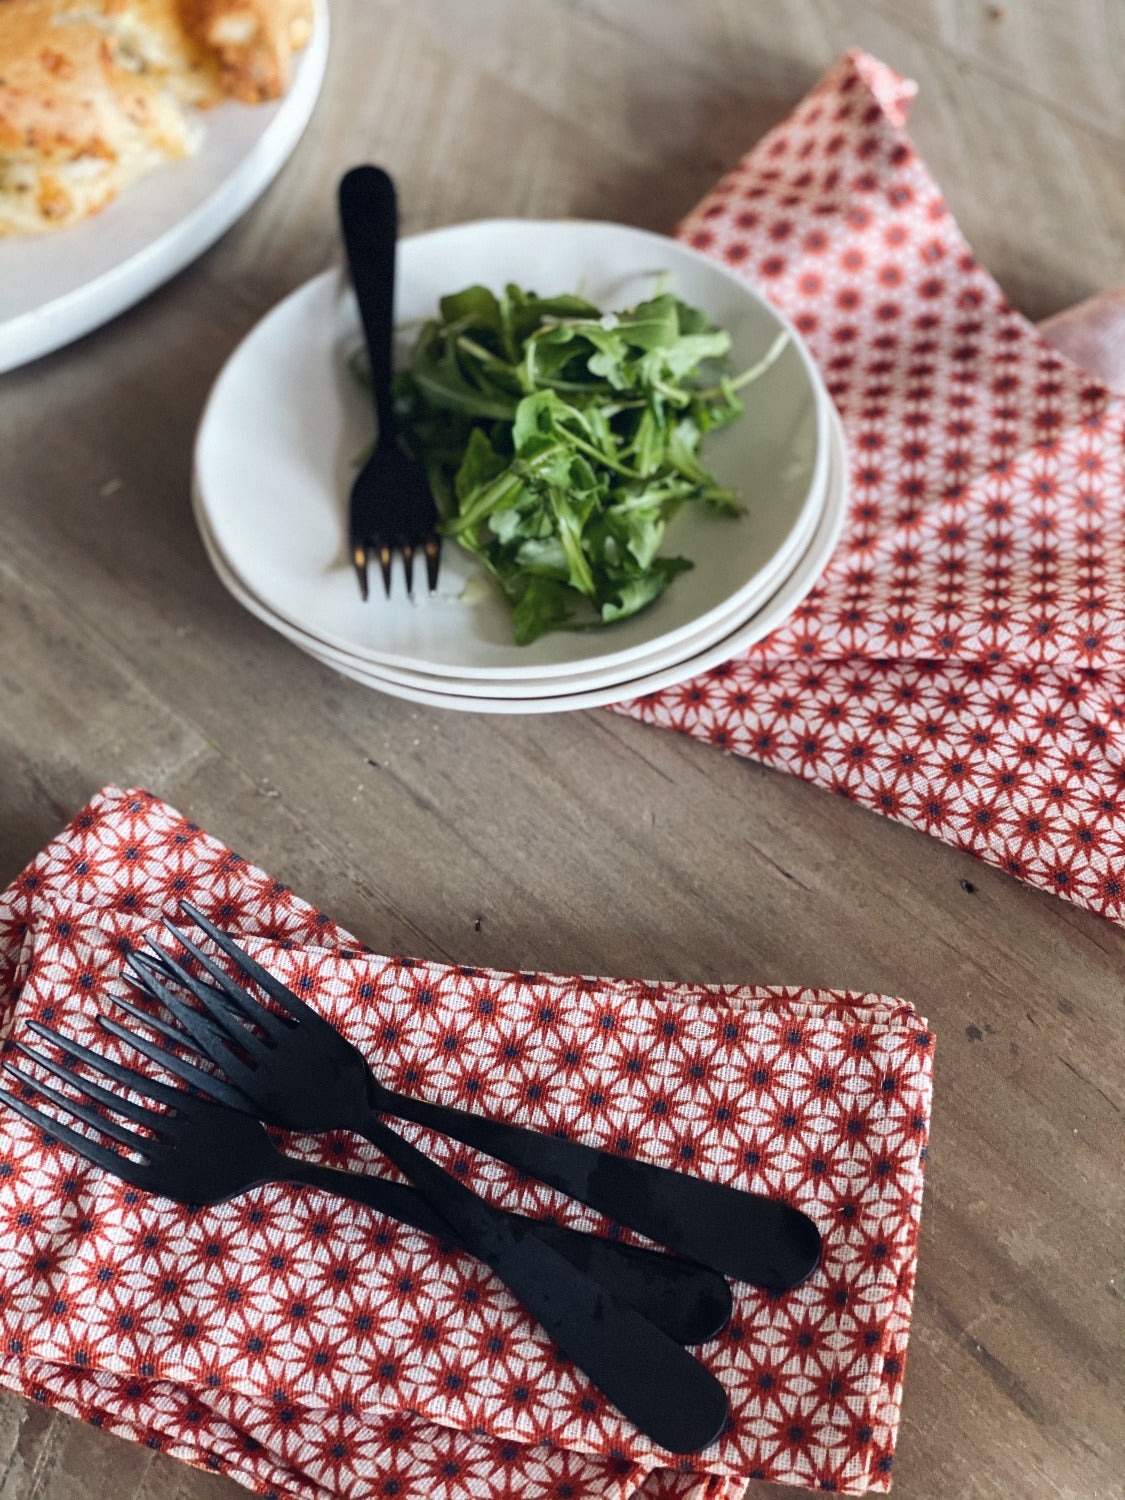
560, 440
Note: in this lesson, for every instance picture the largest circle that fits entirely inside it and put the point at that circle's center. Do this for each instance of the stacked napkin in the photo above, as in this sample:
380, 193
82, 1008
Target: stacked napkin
309, 1347
961, 666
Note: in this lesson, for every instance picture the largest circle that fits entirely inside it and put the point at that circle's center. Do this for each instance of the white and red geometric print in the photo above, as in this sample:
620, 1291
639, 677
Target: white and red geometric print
309, 1348
961, 665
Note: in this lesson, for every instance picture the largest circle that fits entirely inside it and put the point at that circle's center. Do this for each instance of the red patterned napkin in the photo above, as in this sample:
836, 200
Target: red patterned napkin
960, 666
310, 1348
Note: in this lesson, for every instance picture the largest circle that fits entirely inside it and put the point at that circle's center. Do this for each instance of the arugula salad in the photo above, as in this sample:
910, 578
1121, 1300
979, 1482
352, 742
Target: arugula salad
560, 440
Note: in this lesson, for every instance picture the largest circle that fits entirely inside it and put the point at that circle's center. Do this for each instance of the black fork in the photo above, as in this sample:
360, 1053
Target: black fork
689, 1302
198, 1151
297, 1071
391, 507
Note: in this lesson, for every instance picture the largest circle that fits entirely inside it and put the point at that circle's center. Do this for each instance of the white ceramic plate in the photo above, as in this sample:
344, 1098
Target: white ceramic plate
590, 675
755, 628
594, 675
55, 288
277, 444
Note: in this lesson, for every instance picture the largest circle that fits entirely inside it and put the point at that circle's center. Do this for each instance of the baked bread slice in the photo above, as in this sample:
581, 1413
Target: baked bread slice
78, 121
92, 92
255, 41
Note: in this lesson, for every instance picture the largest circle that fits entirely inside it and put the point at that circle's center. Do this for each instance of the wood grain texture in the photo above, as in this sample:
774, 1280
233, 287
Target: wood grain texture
586, 842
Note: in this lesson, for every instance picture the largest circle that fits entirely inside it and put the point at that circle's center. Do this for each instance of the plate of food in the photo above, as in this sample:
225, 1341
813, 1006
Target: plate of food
133, 133
667, 419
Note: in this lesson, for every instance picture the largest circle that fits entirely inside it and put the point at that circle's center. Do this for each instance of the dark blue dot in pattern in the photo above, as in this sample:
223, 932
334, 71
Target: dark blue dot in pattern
297, 1310
759, 1075
730, 1031
255, 1345
495, 1345
387, 1370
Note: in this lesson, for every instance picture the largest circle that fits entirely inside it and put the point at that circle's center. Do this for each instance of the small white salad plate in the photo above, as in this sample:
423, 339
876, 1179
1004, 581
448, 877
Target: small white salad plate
285, 424
55, 288
567, 694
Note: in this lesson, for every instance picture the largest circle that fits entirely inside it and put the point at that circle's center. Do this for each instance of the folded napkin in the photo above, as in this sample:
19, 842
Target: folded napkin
961, 666
309, 1347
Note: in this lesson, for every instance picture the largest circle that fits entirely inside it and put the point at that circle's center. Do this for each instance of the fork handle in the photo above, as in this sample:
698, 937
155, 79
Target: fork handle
653, 1381
742, 1234
689, 1302
369, 221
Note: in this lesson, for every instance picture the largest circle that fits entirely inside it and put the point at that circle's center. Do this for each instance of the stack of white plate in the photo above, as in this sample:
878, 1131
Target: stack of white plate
286, 423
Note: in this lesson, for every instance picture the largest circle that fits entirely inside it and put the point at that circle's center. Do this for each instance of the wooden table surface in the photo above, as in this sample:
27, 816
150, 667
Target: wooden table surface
587, 842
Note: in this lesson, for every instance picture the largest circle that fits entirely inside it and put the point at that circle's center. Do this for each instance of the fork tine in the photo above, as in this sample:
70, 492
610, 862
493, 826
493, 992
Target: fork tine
166, 1029
140, 1114
81, 1112
385, 567
433, 561
150, 1088
214, 1041
359, 562
253, 970
217, 1087
132, 1171
241, 999
178, 1066
408, 566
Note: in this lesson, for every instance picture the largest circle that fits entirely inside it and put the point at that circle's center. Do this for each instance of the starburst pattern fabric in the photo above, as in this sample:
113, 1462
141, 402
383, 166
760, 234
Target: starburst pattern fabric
960, 665
310, 1348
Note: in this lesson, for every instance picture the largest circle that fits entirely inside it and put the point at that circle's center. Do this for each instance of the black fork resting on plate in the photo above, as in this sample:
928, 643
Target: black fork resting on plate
391, 506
